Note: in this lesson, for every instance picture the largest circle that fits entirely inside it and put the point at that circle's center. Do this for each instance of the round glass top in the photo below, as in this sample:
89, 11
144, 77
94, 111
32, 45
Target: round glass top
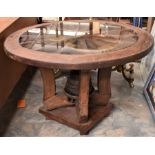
78, 37
78, 44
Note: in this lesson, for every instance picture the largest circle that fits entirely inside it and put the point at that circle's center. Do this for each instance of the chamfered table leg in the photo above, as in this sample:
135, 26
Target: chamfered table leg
48, 83
83, 96
104, 87
50, 99
103, 94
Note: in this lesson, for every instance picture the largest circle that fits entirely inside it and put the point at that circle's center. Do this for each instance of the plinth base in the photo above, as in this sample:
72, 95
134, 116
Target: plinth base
68, 116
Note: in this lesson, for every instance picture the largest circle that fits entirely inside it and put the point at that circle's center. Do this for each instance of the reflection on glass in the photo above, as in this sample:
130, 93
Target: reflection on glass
75, 38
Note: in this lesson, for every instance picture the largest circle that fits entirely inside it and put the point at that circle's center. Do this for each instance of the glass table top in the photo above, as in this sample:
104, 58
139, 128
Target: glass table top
71, 37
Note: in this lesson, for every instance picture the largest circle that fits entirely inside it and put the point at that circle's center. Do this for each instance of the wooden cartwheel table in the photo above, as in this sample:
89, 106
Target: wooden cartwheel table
78, 46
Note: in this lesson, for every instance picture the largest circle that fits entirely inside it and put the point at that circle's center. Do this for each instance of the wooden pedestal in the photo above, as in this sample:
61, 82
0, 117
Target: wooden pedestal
88, 111
68, 116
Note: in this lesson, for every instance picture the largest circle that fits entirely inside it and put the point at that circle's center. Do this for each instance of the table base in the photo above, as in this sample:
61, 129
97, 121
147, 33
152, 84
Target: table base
88, 110
68, 116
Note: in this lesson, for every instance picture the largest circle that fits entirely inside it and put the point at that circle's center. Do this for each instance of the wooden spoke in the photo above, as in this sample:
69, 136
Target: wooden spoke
82, 43
91, 44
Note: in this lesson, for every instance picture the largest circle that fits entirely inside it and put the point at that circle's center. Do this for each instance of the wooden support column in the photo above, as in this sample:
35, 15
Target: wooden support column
42, 37
51, 101
102, 95
84, 96
104, 75
48, 83
104, 88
